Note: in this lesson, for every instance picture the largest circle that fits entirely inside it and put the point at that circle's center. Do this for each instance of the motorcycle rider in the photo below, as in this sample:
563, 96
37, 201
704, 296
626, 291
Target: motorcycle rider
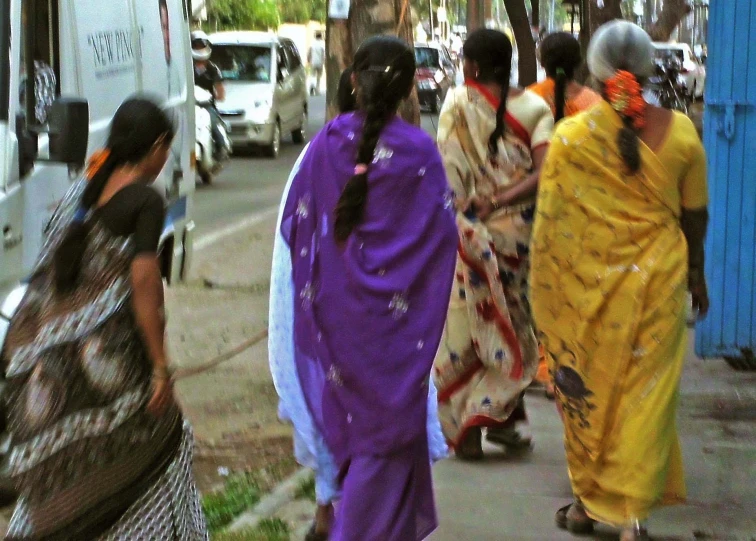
208, 77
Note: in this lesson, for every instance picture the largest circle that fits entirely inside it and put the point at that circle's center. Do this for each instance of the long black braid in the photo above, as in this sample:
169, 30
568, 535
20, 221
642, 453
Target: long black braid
137, 125
385, 68
491, 50
561, 57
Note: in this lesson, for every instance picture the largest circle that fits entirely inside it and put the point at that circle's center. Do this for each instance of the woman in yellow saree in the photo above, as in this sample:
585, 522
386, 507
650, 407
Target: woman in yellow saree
617, 245
492, 140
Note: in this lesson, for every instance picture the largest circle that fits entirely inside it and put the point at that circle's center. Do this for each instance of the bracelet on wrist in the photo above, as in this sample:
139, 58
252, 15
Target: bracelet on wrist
495, 205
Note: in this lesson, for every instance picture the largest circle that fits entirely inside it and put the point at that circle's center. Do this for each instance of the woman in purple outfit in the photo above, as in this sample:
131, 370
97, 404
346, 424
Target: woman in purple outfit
371, 230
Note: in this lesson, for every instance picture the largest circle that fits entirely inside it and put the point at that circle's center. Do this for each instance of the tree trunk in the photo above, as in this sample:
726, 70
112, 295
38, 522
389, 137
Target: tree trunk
518, 17
366, 18
475, 15
597, 16
672, 14
535, 16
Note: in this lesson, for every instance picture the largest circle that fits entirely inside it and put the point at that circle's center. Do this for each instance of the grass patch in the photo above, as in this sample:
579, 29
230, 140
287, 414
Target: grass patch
269, 529
221, 508
306, 489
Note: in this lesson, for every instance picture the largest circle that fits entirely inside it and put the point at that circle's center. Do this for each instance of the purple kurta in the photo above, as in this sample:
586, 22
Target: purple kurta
370, 313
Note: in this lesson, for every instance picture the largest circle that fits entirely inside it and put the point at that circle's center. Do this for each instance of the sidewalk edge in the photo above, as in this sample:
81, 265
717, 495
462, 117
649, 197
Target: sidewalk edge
282, 494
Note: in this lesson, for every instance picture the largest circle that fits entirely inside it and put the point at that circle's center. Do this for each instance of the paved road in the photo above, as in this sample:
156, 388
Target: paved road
253, 184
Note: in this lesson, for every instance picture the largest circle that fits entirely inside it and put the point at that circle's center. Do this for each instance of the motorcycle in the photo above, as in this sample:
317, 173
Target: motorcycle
667, 88
209, 159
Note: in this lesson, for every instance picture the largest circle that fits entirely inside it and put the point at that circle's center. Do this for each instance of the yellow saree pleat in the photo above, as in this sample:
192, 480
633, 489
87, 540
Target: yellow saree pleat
608, 290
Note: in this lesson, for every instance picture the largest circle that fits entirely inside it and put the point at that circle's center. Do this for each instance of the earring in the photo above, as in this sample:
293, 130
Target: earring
354, 92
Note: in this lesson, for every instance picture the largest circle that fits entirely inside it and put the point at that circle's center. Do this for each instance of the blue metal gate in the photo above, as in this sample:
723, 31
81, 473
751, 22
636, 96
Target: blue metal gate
730, 141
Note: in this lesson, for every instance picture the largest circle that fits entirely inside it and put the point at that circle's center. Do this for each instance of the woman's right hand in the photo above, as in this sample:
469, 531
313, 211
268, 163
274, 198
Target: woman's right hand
699, 293
162, 395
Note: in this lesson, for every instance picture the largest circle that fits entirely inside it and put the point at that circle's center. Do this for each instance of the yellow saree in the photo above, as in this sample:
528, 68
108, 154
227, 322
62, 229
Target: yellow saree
608, 291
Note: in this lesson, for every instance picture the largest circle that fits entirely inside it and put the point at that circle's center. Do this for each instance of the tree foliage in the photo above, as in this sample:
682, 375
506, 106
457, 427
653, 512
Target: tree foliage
243, 15
302, 11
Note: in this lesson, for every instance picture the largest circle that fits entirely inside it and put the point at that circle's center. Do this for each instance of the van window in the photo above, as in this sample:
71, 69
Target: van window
294, 60
250, 63
39, 37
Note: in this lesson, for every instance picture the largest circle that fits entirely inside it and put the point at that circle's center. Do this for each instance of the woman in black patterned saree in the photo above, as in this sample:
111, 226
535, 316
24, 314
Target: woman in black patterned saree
100, 449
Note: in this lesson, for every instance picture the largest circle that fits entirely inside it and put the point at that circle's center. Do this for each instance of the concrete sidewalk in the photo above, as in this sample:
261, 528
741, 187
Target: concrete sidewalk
510, 498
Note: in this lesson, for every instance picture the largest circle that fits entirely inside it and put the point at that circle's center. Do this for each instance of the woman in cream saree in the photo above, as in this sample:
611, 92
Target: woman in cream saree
488, 353
618, 208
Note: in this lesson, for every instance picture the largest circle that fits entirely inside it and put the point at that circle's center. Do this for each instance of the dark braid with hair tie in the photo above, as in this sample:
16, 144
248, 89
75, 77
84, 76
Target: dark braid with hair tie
628, 143
137, 126
560, 56
382, 86
502, 77
491, 50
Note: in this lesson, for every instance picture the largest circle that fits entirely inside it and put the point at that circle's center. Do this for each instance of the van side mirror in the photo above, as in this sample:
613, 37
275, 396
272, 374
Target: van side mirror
68, 122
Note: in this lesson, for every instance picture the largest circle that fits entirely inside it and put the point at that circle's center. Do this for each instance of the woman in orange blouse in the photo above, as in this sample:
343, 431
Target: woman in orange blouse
560, 56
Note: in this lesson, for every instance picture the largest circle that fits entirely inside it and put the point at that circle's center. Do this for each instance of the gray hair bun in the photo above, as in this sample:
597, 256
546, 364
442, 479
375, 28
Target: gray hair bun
620, 45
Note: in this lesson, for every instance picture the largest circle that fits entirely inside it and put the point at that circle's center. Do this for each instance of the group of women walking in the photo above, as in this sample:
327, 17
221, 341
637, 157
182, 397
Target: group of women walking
414, 282
420, 287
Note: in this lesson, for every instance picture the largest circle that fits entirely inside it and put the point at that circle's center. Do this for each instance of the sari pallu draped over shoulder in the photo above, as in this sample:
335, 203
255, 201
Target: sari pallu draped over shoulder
369, 313
608, 290
88, 460
488, 353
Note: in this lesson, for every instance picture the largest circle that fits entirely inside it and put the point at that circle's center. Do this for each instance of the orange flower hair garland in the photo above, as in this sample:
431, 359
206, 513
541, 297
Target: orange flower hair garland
626, 97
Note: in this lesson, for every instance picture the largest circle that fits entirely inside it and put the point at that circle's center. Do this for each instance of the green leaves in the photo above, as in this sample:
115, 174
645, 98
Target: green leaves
243, 15
263, 14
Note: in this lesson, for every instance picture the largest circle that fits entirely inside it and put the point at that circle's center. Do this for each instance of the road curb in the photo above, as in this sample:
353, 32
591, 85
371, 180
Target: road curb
282, 494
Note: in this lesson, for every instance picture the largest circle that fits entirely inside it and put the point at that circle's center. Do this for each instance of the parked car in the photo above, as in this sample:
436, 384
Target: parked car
266, 89
692, 72
436, 74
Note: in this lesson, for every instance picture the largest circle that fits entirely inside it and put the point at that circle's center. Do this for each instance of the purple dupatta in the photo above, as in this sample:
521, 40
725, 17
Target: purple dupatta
369, 313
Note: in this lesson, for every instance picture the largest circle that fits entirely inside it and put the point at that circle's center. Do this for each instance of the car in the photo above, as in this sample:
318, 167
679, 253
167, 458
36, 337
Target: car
266, 89
692, 72
435, 74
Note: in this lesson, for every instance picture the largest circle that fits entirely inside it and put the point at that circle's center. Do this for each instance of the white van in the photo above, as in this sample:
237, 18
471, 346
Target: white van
101, 53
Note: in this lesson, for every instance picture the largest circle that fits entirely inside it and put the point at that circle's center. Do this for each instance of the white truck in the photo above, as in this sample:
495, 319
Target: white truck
101, 53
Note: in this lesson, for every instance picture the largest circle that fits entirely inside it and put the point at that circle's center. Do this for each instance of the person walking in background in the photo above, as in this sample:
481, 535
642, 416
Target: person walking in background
316, 60
100, 449
310, 447
493, 140
617, 246
561, 57
371, 236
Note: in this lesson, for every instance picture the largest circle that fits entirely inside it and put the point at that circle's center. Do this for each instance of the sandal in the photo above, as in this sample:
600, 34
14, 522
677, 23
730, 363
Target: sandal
575, 526
509, 438
636, 533
471, 447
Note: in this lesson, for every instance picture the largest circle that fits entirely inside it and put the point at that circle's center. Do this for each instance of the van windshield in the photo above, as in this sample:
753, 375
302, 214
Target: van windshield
250, 63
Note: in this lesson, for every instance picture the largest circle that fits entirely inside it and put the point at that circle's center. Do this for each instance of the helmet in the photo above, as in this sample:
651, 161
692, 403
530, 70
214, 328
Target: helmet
201, 48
